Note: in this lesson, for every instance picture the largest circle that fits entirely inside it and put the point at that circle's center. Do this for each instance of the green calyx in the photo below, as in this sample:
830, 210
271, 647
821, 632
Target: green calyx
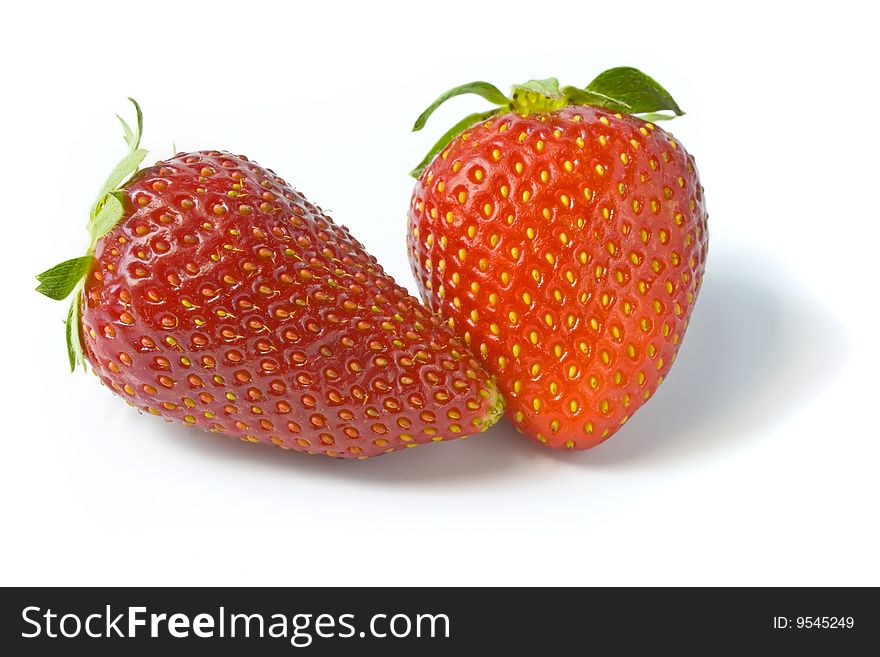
624, 89
59, 281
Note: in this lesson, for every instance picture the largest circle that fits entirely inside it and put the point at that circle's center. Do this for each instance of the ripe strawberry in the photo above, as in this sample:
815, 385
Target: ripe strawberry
224, 300
565, 240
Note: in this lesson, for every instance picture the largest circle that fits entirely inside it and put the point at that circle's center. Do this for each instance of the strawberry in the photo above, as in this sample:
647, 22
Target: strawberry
217, 296
565, 241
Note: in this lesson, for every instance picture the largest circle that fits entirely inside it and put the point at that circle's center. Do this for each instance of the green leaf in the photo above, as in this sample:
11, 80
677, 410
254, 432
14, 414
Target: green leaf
71, 330
140, 125
127, 134
653, 117
448, 136
133, 139
121, 172
584, 97
488, 91
58, 282
107, 217
548, 87
630, 86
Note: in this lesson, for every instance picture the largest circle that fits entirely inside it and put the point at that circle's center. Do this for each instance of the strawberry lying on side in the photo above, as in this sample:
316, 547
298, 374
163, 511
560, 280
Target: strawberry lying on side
217, 296
565, 241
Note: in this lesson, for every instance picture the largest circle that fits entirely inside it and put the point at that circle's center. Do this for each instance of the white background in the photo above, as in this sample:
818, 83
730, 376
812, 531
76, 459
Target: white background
757, 461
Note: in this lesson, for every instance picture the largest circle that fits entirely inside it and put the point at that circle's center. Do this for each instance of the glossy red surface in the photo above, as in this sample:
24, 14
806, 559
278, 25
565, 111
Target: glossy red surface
567, 249
226, 301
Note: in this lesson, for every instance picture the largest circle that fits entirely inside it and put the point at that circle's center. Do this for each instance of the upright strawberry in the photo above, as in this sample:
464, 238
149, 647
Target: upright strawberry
217, 296
564, 239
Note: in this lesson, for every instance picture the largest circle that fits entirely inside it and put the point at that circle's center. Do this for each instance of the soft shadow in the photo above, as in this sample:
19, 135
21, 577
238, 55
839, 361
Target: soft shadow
757, 348
484, 457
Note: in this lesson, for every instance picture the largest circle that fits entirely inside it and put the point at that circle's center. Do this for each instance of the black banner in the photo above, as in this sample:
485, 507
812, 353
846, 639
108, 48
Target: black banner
116, 621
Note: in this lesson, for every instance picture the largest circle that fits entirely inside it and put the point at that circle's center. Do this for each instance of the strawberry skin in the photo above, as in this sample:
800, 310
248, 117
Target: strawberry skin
226, 301
567, 249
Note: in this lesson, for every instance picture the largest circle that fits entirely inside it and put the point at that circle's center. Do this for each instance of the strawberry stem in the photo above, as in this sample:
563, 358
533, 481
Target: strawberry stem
59, 281
623, 89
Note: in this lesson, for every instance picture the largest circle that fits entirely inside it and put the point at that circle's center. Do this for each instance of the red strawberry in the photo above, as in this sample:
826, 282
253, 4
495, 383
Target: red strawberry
565, 240
224, 300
